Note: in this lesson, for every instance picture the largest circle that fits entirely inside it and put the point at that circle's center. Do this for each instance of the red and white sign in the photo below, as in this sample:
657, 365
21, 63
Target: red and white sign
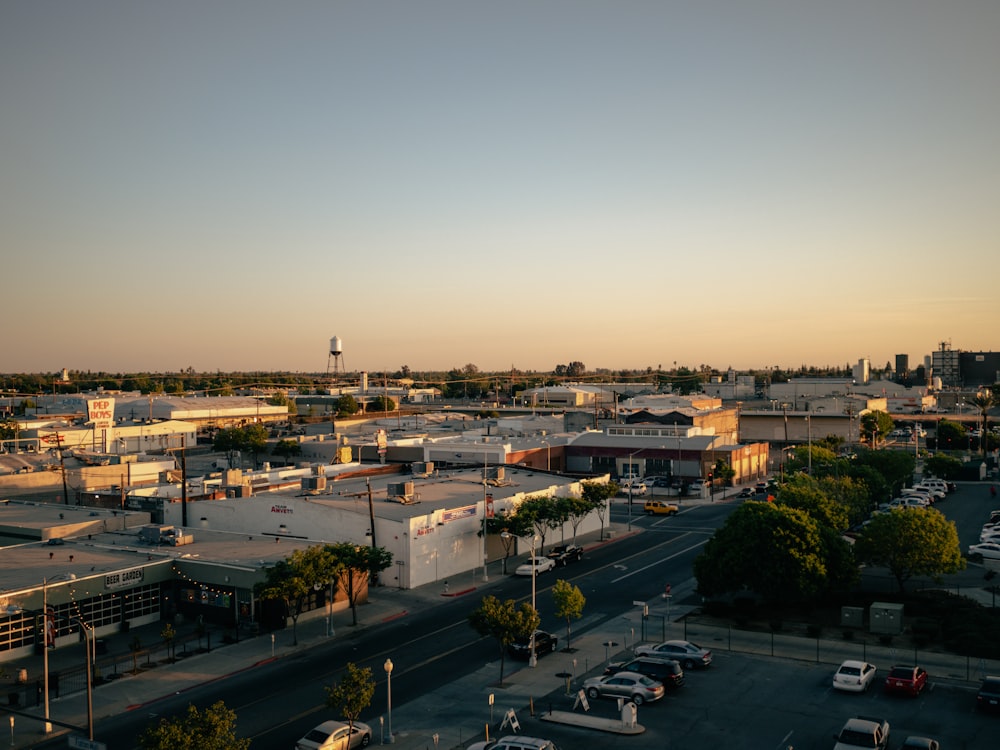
489, 506
101, 413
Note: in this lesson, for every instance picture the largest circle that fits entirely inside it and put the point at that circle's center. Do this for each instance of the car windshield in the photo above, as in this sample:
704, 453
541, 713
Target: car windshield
317, 735
853, 671
902, 673
647, 682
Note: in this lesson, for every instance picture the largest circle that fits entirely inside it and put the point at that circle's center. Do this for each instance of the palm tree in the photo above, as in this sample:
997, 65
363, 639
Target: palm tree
984, 401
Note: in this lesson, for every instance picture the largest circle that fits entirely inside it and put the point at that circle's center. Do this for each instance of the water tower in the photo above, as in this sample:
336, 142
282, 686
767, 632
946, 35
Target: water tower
336, 355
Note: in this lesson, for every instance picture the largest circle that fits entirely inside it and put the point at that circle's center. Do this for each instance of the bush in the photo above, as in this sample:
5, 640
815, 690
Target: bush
848, 635
814, 631
885, 640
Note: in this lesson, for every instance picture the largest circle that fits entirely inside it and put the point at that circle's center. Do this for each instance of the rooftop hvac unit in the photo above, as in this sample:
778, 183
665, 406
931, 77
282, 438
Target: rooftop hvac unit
155, 533
399, 489
314, 484
422, 468
493, 473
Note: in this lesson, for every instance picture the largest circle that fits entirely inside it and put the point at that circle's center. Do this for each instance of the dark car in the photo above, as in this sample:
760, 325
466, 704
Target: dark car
565, 553
667, 671
746, 493
545, 643
988, 698
919, 743
907, 680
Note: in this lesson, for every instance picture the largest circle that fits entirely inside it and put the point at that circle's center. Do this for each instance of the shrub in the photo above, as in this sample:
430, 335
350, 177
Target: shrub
814, 631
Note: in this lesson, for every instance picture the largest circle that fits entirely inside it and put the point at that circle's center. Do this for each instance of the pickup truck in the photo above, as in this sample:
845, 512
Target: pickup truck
565, 553
863, 731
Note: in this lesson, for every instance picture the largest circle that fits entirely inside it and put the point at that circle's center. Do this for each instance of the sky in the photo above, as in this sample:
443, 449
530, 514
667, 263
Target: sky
227, 185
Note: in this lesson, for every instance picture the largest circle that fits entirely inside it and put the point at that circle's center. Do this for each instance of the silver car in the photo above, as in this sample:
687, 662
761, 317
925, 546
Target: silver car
630, 685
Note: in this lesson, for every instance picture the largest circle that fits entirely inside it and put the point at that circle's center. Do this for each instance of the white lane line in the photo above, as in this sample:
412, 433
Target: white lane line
653, 564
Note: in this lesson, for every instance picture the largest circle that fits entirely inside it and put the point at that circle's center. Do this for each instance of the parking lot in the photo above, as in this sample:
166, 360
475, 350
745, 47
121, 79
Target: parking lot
759, 703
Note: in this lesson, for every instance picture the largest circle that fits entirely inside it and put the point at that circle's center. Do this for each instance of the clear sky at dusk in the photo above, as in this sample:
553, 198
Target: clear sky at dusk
226, 185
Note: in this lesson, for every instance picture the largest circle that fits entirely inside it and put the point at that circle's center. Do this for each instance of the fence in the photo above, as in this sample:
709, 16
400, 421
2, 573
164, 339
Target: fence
106, 668
828, 650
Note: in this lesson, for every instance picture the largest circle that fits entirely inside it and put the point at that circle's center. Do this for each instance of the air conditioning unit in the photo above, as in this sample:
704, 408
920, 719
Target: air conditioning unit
313, 484
493, 474
399, 489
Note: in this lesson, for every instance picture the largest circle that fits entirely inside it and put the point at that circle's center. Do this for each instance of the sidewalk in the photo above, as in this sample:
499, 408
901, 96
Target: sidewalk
415, 724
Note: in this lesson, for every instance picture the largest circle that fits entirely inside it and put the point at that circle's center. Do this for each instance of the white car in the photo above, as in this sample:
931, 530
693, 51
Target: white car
937, 493
854, 676
985, 549
541, 565
336, 735
635, 487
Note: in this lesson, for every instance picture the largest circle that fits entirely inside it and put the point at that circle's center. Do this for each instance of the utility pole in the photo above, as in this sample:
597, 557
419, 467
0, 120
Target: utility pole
371, 516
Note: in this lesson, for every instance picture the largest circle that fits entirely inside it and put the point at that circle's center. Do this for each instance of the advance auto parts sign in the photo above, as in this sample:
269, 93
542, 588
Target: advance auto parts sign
123, 579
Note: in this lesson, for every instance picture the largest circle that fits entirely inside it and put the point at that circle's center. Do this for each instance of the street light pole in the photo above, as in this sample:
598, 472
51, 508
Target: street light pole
548, 455
388, 672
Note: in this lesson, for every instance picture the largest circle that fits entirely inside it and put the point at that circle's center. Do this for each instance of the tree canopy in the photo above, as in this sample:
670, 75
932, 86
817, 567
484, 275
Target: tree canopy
777, 551
211, 729
910, 542
353, 693
569, 601
504, 621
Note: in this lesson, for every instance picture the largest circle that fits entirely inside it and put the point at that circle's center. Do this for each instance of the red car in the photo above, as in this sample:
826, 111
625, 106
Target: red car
907, 680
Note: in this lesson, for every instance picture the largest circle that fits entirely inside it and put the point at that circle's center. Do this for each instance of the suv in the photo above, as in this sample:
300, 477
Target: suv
863, 731
908, 680
658, 507
514, 742
667, 671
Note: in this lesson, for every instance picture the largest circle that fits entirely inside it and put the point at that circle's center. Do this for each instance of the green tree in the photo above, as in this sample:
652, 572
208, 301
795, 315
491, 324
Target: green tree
951, 435
254, 440
875, 424
504, 621
911, 542
228, 441
805, 493
293, 580
569, 601
382, 403
545, 514
771, 549
599, 493
352, 694
347, 406
211, 729
355, 566
287, 449
168, 634
508, 526
944, 466
574, 510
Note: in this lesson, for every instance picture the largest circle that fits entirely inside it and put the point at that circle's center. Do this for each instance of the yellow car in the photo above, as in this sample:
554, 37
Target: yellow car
658, 507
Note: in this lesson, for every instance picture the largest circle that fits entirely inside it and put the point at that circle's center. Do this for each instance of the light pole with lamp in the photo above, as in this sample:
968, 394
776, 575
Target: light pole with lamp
388, 676
548, 455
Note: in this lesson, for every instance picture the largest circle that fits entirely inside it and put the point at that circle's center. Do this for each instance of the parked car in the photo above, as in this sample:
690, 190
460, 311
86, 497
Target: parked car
535, 566
660, 508
336, 735
631, 685
920, 743
565, 553
514, 742
545, 643
908, 680
633, 487
667, 671
985, 549
863, 731
854, 676
690, 655
988, 697
746, 494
